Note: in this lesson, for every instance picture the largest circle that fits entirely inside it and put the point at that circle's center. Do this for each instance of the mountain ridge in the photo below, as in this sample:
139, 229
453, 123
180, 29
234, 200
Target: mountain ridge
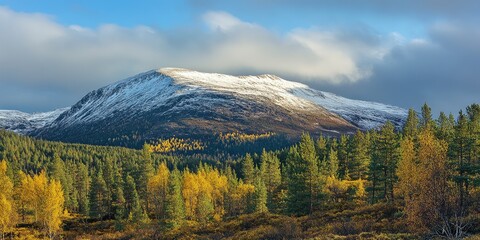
180, 102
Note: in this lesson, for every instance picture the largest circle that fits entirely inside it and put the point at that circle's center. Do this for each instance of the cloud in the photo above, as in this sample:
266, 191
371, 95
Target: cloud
38, 52
45, 65
441, 69
223, 21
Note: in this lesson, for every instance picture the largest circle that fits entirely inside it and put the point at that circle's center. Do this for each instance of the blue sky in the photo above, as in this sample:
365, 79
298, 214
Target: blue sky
403, 53
186, 14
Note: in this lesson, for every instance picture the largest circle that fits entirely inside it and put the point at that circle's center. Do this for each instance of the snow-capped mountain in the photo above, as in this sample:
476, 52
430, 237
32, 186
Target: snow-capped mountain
180, 102
25, 123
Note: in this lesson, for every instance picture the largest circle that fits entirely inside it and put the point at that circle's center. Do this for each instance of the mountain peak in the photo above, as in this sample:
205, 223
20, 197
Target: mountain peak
181, 102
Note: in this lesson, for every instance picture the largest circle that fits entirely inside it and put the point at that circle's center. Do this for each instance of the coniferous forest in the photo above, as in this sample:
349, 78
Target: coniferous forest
421, 181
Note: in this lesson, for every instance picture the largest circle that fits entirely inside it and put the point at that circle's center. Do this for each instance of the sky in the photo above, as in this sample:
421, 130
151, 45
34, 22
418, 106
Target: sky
403, 53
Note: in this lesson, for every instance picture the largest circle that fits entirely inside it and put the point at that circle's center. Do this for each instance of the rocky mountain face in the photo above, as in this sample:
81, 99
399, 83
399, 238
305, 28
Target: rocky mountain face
188, 104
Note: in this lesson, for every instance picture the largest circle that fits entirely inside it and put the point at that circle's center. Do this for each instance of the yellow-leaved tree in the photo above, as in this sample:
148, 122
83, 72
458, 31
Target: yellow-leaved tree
158, 190
203, 194
239, 197
7, 207
45, 199
52, 212
424, 181
219, 188
190, 193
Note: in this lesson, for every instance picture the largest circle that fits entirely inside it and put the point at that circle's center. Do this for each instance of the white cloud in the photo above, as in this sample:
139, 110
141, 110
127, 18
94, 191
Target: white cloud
222, 20
37, 51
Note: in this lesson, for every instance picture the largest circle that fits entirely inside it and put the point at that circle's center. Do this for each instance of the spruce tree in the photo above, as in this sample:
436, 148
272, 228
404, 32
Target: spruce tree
175, 207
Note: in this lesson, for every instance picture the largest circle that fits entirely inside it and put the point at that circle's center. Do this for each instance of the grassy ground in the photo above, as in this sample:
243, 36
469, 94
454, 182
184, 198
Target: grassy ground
379, 221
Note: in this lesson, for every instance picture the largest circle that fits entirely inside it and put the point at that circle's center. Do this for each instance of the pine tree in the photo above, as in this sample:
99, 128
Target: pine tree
343, 158
108, 176
175, 208
321, 148
231, 199
58, 172
271, 176
132, 202
98, 196
375, 170
130, 194
303, 175
410, 128
473, 112
81, 184
360, 156
248, 169
145, 171
312, 180
426, 121
260, 196
333, 163
388, 153
298, 192
460, 147
118, 206
446, 127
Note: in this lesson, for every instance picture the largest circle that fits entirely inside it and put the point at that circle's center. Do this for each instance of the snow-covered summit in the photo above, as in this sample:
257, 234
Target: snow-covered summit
182, 102
364, 114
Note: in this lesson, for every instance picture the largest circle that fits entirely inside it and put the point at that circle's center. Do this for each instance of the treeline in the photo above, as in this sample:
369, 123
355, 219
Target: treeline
431, 168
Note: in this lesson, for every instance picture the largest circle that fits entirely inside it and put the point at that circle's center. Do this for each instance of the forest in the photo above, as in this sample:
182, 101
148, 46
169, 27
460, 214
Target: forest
421, 181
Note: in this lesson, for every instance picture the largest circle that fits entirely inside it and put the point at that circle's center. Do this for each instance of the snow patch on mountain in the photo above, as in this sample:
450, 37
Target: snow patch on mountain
24, 123
181, 90
293, 95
